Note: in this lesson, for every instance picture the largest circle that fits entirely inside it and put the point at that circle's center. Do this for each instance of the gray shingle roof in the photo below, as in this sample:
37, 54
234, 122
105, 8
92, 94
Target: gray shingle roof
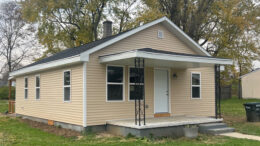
73, 51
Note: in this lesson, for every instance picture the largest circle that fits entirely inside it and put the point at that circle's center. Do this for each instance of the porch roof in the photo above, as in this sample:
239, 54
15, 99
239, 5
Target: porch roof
158, 58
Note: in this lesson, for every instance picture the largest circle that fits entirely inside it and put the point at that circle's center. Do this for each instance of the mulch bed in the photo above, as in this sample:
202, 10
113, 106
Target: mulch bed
51, 129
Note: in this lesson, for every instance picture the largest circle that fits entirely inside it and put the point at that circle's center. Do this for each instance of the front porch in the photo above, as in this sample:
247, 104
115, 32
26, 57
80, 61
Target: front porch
165, 121
158, 127
167, 83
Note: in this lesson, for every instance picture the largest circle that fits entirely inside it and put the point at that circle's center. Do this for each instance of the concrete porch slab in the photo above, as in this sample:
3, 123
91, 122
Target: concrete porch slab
164, 122
157, 127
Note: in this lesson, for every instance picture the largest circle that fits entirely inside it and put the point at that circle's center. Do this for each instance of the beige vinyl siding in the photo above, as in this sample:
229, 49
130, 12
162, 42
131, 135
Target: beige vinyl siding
181, 101
51, 104
251, 85
99, 111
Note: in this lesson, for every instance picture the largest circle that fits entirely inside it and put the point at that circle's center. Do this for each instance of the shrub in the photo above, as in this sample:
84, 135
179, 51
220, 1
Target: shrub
4, 91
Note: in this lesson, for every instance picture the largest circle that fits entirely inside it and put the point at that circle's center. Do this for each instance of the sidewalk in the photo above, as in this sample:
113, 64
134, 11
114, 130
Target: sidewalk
240, 135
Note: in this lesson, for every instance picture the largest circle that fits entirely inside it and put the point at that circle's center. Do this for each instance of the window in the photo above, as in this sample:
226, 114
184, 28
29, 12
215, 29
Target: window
195, 85
25, 88
133, 87
37, 86
66, 85
115, 83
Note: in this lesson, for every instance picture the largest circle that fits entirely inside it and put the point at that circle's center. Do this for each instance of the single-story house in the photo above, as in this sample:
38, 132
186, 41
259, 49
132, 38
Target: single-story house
154, 70
250, 83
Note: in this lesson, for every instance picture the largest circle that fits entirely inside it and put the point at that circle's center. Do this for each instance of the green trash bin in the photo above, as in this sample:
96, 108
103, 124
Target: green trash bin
252, 111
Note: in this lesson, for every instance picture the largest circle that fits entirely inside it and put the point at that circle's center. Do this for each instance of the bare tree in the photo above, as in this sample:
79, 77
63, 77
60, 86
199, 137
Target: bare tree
16, 37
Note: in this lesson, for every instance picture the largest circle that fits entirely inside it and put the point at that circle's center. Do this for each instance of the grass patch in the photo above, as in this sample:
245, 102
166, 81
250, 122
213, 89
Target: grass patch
14, 132
3, 106
234, 115
234, 106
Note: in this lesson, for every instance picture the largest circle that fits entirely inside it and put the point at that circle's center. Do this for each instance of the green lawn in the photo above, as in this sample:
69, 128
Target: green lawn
3, 106
15, 132
234, 114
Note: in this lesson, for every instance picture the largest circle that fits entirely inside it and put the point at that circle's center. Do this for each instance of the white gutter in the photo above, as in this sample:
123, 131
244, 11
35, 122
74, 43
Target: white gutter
85, 94
167, 57
48, 65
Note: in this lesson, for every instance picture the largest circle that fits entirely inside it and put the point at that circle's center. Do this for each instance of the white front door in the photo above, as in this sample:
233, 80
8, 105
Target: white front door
161, 91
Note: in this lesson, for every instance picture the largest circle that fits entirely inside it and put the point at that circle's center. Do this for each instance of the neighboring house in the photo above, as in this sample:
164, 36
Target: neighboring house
251, 84
87, 86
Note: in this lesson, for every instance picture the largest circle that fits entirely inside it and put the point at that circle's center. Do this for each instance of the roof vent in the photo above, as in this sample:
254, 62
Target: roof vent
107, 28
160, 34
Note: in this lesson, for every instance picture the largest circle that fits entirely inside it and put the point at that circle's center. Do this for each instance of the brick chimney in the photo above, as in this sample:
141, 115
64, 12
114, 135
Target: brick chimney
107, 28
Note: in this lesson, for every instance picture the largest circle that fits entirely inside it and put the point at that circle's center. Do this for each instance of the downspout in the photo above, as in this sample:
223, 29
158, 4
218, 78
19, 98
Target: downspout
84, 95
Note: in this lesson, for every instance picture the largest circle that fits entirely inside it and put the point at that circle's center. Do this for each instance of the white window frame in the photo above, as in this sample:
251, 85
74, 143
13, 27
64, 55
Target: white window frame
196, 85
132, 83
111, 83
66, 86
37, 87
26, 88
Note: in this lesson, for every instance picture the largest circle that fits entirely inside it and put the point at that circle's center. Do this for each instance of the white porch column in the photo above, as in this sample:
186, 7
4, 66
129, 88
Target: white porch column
84, 94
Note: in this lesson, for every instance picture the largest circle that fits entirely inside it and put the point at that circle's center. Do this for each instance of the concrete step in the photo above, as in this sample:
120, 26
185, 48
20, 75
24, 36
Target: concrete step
215, 128
216, 131
212, 125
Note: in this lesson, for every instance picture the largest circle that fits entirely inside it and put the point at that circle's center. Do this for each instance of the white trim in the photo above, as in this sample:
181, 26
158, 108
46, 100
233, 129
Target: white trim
26, 88
123, 84
169, 89
47, 65
85, 55
37, 87
65, 86
161, 56
84, 94
195, 85
133, 83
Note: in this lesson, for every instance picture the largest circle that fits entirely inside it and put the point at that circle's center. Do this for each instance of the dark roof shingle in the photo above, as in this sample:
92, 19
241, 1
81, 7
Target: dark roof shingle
73, 51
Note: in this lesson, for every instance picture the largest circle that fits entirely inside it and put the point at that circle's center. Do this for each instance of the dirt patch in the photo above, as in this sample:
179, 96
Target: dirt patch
51, 129
104, 135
